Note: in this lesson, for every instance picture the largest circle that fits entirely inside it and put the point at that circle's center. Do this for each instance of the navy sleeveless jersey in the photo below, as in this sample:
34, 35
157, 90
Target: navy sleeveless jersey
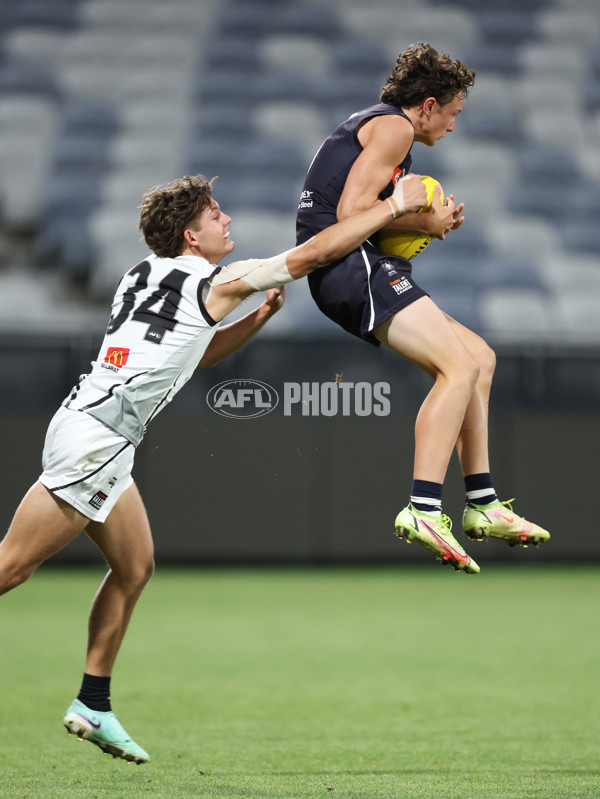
364, 289
328, 172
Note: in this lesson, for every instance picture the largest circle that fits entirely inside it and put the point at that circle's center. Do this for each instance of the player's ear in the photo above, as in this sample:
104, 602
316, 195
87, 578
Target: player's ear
190, 238
428, 106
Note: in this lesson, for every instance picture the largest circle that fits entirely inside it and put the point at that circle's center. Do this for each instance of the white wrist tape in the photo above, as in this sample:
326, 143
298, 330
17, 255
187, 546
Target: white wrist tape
392, 203
398, 196
260, 274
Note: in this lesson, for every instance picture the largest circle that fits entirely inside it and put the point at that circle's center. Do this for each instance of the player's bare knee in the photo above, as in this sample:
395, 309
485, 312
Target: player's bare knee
474, 372
147, 573
137, 574
474, 369
13, 575
460, 376
487, 363
467, 373
459, 368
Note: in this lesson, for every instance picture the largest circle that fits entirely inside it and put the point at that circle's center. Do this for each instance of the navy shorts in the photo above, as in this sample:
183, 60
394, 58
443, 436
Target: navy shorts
364, 290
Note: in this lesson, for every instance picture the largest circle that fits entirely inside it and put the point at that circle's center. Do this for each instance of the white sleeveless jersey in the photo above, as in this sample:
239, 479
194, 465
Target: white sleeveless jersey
156, 336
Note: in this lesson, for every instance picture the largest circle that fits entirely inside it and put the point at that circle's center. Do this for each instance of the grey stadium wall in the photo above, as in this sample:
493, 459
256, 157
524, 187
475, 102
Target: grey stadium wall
318, 489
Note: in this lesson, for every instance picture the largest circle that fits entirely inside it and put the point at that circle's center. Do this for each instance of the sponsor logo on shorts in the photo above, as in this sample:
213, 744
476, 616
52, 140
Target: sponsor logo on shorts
116, 357
389, 268
401, 285
97, 501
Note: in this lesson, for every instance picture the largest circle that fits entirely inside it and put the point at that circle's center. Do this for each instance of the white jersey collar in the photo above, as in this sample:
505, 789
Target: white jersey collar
194, 262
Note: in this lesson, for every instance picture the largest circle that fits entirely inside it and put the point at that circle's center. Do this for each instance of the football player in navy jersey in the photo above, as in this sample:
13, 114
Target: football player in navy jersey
165, 320
356, 166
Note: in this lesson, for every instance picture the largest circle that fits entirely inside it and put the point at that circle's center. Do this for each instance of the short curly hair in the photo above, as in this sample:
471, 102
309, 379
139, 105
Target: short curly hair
422, 72
167, 210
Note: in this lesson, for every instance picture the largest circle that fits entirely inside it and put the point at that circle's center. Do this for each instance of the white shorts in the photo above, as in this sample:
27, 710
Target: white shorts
85, 463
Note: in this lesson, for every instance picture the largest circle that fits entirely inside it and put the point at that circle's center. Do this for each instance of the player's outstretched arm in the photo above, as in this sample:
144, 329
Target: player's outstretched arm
237, 281
231, 337
338, 240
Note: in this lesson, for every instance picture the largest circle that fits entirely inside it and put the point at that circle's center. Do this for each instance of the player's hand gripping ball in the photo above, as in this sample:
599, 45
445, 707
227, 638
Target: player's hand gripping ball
408, 245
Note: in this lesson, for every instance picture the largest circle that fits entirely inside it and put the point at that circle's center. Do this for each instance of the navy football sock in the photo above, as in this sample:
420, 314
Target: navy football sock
95, 692
426, 496
480, 489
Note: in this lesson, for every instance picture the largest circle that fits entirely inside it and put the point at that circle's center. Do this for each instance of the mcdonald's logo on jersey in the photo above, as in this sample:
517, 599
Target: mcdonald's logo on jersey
117, 356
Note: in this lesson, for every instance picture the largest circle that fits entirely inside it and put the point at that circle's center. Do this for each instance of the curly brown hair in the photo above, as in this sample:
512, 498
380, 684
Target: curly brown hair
167, 210
422, 72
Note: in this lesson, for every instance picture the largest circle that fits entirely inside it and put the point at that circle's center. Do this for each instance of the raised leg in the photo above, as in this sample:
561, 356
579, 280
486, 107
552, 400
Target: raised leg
422, 334
472, 441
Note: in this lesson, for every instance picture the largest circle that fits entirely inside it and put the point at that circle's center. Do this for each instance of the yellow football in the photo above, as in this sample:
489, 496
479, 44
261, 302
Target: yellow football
409, 244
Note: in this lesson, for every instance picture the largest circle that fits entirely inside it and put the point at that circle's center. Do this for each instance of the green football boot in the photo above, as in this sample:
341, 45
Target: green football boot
434, 532
104, 730
498, 520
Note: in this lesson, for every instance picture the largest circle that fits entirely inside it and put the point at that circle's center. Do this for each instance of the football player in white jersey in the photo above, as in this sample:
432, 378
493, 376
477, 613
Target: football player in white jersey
165, 320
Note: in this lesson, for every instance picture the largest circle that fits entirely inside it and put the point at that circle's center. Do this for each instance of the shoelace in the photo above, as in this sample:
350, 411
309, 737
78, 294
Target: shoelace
445, 525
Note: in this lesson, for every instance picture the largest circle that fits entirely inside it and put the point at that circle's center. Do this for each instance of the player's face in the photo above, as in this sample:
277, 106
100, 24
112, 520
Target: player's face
439, 121
211, 229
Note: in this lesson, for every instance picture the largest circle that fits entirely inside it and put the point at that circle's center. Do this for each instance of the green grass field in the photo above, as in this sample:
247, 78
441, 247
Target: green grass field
362, 683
